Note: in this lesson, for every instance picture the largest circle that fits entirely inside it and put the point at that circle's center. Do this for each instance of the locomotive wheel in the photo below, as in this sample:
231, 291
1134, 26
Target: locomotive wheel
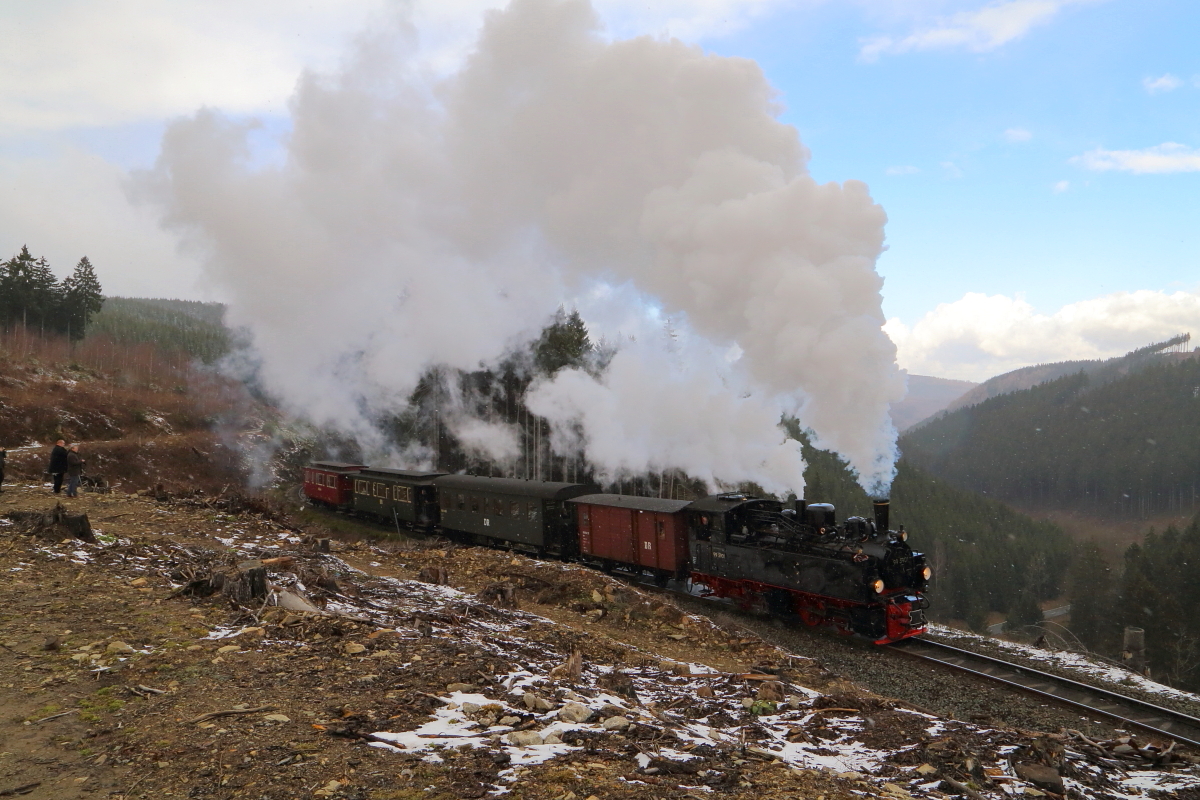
812, 617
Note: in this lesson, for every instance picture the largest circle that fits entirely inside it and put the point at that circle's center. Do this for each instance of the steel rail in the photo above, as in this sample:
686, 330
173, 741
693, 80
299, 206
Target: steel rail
1112, 705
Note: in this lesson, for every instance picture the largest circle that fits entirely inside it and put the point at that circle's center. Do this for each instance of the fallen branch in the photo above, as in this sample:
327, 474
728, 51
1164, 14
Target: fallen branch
55, 716
24, 789
229, 713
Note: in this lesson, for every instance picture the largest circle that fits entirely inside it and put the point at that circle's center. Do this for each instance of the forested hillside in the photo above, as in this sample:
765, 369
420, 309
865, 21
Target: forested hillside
1160, 592
186, 326
1102, 370
985, 556
1124, 441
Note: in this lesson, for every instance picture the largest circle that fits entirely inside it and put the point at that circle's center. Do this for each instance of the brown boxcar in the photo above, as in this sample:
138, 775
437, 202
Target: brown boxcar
637, 533
330, 482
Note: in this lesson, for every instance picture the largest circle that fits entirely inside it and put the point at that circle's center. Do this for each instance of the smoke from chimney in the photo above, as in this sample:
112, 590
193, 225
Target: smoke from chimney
418, 221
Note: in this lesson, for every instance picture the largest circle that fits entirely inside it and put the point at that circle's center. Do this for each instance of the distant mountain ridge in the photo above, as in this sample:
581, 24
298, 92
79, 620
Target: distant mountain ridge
1028, 377
1117, 437
927, 396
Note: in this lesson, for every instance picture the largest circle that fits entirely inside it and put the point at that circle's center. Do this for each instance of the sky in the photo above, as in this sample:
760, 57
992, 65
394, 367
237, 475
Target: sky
1038, 160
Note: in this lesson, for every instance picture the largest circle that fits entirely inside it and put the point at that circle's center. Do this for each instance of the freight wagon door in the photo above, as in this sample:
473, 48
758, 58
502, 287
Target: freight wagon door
648, 529
613, 534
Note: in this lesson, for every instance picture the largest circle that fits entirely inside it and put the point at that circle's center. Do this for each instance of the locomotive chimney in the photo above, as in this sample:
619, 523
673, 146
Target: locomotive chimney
801, 507
881, 515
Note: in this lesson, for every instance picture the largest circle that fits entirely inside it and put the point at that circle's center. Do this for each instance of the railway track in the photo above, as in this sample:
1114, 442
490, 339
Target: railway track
1111, 705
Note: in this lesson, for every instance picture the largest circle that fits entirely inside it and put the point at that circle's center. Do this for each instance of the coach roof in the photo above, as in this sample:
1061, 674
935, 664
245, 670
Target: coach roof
658, 504
336, 465
547, 490
387, 473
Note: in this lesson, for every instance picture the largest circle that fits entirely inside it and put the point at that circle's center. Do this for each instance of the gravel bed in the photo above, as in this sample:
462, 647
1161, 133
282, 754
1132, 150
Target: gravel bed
939, 690
989, 647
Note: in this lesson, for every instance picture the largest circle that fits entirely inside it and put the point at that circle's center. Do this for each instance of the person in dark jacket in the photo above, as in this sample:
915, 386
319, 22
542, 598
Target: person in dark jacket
58, 464
3, 458
74, 471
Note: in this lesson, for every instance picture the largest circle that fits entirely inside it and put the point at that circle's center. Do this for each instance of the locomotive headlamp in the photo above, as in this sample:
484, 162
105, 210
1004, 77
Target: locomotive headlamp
902, 535
878, 586
927, 573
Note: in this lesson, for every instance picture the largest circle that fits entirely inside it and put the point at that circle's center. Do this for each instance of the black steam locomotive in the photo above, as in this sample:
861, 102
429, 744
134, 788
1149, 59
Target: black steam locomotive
858, 577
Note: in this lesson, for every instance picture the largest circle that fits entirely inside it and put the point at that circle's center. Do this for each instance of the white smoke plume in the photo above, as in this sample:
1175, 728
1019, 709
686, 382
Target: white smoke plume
419, 221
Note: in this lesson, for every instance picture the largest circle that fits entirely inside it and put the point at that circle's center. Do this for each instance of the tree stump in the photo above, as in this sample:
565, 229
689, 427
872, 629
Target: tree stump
55, 523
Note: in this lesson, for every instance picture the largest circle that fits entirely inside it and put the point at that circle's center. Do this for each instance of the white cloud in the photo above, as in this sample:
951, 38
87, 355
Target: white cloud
980, 336
986, 28
1061, 187
65, 64
903, 170
1162, 158
1165, 83
68, 64
1015, 135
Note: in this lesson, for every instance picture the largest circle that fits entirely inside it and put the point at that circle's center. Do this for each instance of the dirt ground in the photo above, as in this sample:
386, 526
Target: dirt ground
122, 676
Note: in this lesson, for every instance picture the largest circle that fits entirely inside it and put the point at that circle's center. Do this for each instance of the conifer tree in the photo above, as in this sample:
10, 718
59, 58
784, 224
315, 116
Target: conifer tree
1091, 585
29, 293
81, 298
564, 343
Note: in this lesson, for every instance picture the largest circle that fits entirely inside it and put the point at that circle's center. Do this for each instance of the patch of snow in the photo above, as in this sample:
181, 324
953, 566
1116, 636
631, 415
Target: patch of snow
1075, 661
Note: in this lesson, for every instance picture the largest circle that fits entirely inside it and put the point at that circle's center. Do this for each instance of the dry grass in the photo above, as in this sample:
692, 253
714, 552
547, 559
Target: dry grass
143, 416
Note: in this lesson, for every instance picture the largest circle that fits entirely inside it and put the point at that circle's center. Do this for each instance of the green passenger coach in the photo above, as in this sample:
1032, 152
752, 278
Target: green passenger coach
405, 496
525, 515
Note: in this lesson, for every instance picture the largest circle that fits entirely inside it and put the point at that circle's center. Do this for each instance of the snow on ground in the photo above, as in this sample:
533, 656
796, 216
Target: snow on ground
1078, 662
679, 714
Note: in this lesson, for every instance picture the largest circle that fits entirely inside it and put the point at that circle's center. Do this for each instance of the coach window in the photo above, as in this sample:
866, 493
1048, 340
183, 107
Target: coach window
498, 506
533, 509
587, 517
475, 503
514, 509
360, 487
403, 494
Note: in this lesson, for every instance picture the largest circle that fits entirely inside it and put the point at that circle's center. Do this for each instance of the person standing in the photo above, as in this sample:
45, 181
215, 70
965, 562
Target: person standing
74, 471
58, 464
3, 458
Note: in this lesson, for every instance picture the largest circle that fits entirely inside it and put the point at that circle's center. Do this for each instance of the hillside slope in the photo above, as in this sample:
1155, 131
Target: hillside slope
985, 555
1121, 441
927, 396
1100, 369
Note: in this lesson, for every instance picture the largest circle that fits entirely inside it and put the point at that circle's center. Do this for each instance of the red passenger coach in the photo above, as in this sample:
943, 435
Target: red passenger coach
637, 533
330, 483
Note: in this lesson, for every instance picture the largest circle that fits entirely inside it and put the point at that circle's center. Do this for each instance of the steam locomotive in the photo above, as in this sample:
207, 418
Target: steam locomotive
858, 577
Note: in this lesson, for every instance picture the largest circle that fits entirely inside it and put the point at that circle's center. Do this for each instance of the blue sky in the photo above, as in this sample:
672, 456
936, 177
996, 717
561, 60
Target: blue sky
1012, 142
971, 153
